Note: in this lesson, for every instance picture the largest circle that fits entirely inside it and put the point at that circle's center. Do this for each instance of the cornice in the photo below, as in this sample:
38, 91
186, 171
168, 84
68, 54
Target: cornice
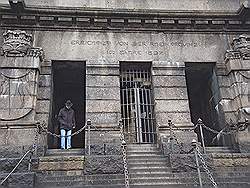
125, 19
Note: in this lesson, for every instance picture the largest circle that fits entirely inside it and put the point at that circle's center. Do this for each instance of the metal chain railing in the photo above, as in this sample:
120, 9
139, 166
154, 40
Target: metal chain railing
124, 155
195, 150
44, 129
210, 176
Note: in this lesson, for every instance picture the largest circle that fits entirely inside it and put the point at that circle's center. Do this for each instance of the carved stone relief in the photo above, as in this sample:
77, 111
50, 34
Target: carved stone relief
18, 75
241, 48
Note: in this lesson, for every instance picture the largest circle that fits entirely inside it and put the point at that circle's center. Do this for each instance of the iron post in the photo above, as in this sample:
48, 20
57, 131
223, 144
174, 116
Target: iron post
194, 144
171, 135
200, 123
89, 125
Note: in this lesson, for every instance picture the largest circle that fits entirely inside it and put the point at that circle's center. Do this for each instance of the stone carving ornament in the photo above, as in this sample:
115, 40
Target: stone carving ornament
241, 48
18, 80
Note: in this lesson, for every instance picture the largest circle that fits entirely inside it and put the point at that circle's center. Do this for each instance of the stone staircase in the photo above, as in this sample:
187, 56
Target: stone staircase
149, 168
65, 168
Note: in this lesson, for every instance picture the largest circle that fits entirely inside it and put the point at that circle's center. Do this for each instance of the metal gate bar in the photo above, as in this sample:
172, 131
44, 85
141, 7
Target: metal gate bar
136, 104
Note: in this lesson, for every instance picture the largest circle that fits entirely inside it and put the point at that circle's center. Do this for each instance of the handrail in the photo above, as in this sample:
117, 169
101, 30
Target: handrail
30, 150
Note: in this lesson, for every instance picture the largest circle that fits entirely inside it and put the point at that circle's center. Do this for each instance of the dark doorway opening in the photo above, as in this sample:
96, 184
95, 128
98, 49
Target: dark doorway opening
137, 104
69, 80
203, 94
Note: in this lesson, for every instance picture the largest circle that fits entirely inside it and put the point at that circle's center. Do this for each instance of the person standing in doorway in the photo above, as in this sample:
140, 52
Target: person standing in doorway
66, 118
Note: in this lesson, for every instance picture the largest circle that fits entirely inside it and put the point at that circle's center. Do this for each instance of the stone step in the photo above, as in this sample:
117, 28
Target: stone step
149, 170
64, 152
141, 145
185, 174
70, 183
145, 153
218, 150
208, 185
151, 180
44, 178
147, 165
139, 156
147, 160
82, 186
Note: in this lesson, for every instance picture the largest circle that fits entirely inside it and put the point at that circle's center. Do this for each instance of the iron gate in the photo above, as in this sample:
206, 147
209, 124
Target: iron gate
136, 104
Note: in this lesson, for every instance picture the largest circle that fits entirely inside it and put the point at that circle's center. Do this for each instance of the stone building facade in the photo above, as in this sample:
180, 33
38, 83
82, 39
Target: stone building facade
145, 62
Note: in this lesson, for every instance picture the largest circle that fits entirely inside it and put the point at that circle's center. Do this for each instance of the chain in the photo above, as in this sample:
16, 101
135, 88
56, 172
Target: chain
124, 154
56, 135
73, 134
210, 176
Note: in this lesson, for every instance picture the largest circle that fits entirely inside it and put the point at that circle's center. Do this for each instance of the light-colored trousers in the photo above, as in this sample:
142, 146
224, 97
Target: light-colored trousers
67, 134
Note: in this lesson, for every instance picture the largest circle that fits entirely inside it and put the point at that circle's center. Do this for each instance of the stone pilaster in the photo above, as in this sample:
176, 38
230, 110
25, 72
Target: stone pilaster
171, 102
103, 106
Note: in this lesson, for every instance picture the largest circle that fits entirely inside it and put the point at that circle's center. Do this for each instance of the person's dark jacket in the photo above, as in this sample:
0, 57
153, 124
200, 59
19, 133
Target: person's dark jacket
66, 118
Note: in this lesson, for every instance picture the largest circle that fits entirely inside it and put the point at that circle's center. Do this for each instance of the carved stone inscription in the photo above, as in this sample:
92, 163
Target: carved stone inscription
136, 48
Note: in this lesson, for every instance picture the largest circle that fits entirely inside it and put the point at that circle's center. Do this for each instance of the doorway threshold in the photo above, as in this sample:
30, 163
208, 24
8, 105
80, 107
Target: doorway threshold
65, 152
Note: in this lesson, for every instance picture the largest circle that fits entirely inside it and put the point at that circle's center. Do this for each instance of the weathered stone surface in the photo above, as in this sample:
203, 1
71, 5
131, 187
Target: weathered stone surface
231, 160
168, 71
171, 106
42, 117
120, 46
7, 164
103, 93
20, 180
102, 81
16, 102
169, 64
170, 93
103, 105
44, 93
229, 5
103, 117
61, 163
102, 70
244, 141
176, 117
46, 63
43, 106
15, 136
169, 81
104, 137
103, 148
44, 80
104, 164
45, 70
186, 162
20, 62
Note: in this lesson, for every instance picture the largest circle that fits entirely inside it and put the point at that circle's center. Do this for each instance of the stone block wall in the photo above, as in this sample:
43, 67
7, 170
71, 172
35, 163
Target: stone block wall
103, 106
